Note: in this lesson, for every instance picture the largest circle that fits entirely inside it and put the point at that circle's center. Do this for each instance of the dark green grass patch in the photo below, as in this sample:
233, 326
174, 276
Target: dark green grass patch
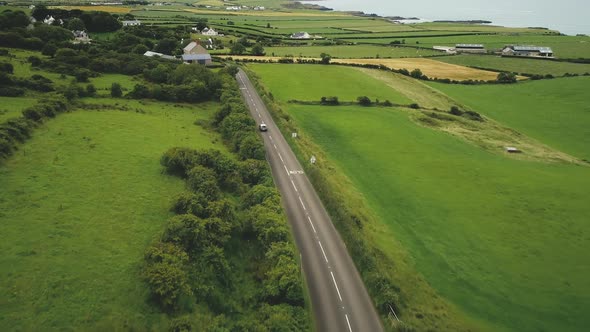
311, 82
518, 65
79, 204
555, 112
502, 239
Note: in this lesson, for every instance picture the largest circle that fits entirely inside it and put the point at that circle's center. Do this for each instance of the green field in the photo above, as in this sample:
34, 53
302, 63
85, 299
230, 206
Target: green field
486, 231
11, 107
348, 51
517, 65
555, 112
79, 203
323, 81
563, 46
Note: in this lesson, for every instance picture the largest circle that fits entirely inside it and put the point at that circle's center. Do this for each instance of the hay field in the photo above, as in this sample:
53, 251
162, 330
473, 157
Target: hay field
266, 13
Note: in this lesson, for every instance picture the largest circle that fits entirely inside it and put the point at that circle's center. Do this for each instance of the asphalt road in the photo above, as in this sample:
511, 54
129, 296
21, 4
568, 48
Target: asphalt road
339, 299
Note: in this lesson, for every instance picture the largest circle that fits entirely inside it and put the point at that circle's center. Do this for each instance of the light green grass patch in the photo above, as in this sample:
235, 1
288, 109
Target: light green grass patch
517, 65
488, 232
103, 82
11, 107
555, 112
79, 204
350, 51
311, 82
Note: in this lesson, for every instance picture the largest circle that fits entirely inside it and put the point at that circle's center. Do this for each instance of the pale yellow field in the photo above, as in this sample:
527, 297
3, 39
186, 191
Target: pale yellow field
108, 9
268, 13
430, 68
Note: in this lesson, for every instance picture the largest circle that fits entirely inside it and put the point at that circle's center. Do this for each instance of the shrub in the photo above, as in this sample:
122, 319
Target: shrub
165, 274
116, 91
471, 115
9, 91
417, 73
456, 111
202, 180
254, 172
6, 67
260, 194
506, 77
251, 147
332, 101
178, 161
414, 106
190, 203
32, 114
35, 61
90, 90
364, 101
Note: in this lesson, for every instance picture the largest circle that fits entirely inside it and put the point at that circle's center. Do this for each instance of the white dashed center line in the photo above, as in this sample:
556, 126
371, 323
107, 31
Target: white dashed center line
323, 252
336, 285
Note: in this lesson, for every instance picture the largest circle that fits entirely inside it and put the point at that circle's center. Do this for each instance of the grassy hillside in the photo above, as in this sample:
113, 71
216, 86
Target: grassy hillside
555, 112
79, 204
487, 232
526, 66
11, 107
345, 83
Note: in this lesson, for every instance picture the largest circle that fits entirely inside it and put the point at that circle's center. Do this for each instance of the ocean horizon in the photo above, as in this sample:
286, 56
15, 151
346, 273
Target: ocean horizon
567, 16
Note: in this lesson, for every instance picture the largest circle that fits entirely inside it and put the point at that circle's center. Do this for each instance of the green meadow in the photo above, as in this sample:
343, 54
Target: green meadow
487, 232
349, 51
79, 204
311, 82
11, 107
518, 65
555, 112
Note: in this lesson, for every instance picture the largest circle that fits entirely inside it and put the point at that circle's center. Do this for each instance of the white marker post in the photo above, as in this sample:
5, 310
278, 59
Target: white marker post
312, 160
294, 135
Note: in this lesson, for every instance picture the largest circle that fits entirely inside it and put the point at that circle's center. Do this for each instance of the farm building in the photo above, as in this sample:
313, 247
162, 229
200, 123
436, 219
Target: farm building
202, 59
470, 48
447, 49
528, 51
194, 47
163, 56
300, 35
131, 23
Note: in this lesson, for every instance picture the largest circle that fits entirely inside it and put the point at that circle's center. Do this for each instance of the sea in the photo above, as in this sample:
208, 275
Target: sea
570, 17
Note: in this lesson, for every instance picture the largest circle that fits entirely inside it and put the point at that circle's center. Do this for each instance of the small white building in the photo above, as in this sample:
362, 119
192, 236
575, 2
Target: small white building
49, 20
80, 37
131, 23
160, 55
209, 32
448, 49
300, 35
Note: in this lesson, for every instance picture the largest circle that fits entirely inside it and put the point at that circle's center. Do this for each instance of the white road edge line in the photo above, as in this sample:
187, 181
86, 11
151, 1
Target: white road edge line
336, 285
323, 252
348, 322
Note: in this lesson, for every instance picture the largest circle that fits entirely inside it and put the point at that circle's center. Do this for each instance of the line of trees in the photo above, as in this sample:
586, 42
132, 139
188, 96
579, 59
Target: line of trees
230, 213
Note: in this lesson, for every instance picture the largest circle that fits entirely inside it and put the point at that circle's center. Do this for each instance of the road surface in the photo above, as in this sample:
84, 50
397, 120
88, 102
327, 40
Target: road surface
339, 299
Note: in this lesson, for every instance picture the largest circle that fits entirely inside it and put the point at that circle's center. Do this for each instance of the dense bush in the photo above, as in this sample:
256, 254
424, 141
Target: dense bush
364, 101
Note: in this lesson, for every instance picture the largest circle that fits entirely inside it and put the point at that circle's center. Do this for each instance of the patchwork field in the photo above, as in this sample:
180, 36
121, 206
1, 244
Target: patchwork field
347, 51
431, 68
555, 112
482, 228
70, 264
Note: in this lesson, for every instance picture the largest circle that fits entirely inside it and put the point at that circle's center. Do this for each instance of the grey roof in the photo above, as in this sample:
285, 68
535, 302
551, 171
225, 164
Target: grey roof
193, 57
469, 45
533, 48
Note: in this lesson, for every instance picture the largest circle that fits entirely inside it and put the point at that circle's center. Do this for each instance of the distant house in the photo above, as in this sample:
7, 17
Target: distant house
511, 149
194, 47
470, 48
80, 37
209, 32
528, 51
202, 59
301, 35
160, 55
131, 23
49, 20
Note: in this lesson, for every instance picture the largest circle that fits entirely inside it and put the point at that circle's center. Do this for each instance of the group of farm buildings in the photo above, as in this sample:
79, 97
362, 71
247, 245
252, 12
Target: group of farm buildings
508, 50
